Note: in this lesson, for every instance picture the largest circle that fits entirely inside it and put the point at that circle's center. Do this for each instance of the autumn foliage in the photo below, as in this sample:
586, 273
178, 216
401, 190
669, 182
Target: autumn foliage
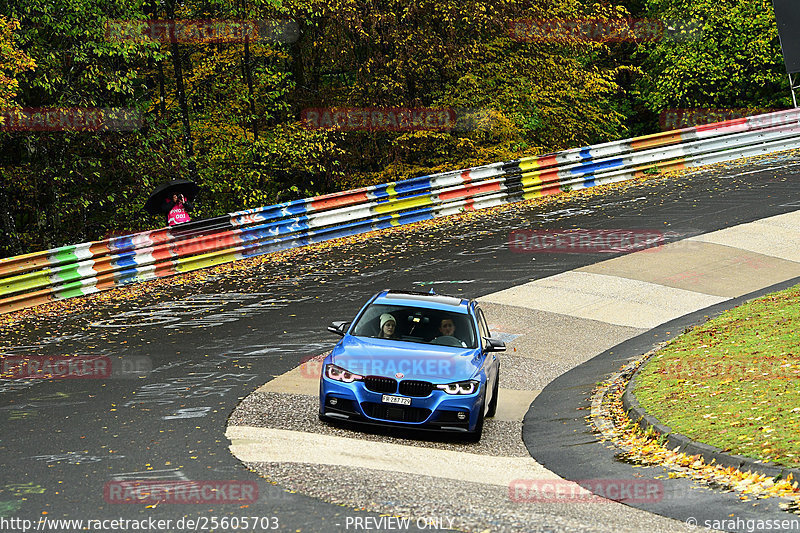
228, 112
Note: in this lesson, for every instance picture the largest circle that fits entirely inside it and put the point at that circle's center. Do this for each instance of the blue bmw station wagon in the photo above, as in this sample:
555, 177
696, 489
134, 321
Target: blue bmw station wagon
415, 360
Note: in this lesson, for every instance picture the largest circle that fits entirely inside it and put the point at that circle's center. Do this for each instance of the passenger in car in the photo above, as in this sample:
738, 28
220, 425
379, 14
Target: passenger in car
388, 327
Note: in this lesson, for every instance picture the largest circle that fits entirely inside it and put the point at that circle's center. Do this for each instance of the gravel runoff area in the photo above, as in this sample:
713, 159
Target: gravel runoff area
298, 412
530, 363
471, 506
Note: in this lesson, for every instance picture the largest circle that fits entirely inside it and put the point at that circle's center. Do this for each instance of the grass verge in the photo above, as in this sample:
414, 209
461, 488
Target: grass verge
734, 381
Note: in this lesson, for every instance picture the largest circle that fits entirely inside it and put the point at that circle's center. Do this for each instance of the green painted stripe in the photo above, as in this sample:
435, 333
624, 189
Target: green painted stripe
71, 293
64, 255
67, 273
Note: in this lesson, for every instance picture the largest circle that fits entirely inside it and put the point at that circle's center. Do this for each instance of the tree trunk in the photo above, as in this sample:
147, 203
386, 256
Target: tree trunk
251, 97
10, 239
162, 95
188, 144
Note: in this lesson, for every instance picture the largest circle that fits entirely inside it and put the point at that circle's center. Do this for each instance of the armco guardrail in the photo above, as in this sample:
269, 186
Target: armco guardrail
87, 268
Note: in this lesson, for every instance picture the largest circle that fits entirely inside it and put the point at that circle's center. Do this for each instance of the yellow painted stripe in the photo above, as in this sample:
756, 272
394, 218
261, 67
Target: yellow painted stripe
531, 194
26, 282
206, 260
531, 180
529, 164
400, 205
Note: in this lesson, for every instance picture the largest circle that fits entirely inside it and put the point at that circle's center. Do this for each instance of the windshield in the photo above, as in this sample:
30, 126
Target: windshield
416, 324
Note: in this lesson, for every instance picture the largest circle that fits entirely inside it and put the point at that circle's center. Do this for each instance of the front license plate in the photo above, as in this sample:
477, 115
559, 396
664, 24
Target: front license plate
395, 399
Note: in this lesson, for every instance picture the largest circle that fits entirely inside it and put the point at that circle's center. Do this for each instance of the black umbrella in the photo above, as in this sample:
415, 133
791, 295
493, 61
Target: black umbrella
158, 198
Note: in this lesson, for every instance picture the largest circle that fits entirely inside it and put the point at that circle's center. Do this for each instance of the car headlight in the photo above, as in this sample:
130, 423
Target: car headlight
460, 387
338, 373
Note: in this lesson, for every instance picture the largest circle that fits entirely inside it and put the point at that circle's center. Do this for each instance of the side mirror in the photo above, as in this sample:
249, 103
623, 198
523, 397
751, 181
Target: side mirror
339, 327
495, 345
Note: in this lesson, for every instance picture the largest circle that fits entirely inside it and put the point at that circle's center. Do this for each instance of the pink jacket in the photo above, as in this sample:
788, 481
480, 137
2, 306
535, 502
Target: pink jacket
178, 215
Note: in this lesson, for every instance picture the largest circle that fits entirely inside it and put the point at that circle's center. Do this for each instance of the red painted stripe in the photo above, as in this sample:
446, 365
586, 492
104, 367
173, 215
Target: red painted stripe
337, 200
161, 252
160, 235
469, 190
735, 122
105, 285
549, 176
165, 269
674, 165
210, 243
22, 264
105, 282
547, 160
99, 248
23, 301
103, 264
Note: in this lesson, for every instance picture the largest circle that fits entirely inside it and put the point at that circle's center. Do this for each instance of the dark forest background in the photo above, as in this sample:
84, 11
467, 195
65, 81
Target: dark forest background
228, 115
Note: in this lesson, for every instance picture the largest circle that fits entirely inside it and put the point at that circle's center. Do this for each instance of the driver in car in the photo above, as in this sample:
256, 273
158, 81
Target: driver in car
447, 328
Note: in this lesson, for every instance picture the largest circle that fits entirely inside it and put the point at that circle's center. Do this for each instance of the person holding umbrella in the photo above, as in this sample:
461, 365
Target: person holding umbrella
176, 209
173, 200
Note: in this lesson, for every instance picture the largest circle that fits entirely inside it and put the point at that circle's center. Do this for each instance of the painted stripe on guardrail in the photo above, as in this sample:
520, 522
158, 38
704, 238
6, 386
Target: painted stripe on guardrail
86, 268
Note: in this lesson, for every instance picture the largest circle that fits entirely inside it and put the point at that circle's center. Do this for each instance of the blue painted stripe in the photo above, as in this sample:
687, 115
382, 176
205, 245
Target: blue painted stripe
121, 243
283, 242
295, 207
381, 193
124, 277
275, 229
408, 186
590, 168
416, 216
125, 260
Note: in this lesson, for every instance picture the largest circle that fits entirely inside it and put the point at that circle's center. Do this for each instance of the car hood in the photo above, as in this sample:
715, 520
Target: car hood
384, 357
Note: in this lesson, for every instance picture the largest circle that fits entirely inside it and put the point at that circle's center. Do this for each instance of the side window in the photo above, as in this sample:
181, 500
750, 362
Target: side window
482, 325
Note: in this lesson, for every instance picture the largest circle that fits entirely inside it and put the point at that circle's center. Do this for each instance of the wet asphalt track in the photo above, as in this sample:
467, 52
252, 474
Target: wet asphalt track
201, 347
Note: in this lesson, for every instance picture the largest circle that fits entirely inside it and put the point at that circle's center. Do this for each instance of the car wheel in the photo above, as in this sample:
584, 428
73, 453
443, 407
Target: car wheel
493, 404
475, 436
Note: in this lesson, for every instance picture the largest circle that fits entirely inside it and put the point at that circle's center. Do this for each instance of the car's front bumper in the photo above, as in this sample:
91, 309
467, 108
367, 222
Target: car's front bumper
439, 411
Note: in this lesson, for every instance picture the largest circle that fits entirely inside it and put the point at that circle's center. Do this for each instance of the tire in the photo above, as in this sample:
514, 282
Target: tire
475, 436
493, 403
